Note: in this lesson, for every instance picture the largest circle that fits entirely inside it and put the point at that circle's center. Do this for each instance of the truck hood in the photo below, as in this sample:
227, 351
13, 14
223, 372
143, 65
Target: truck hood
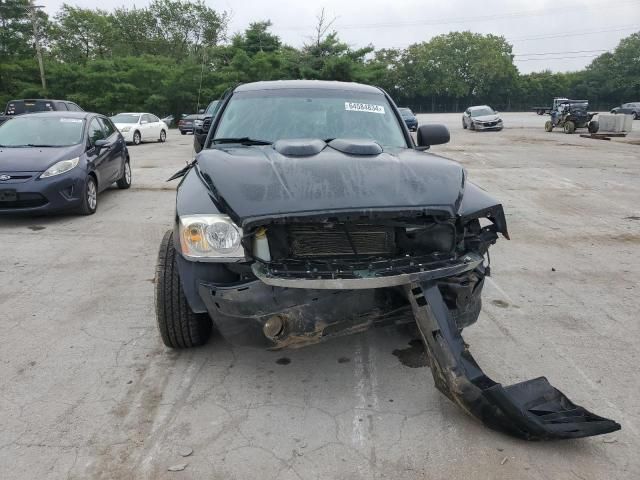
257, 184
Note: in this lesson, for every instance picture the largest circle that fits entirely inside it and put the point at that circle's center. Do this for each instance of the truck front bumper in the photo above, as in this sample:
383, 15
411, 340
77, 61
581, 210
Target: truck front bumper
532, 410
293, 308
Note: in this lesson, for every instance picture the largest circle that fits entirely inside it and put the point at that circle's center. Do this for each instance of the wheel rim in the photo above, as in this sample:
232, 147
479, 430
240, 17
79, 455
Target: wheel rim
136, 138
92, 195
127, 173
163, 136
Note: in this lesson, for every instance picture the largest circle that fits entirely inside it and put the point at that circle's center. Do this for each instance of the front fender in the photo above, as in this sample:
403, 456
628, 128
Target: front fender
477, 203
193, 197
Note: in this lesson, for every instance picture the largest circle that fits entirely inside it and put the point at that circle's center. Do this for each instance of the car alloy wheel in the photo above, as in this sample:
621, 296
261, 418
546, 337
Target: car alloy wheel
136, 138
92, 194
163, 136
124, 181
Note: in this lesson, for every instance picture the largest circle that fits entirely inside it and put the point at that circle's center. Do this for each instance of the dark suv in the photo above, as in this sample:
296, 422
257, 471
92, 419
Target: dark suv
311, 213
19, 107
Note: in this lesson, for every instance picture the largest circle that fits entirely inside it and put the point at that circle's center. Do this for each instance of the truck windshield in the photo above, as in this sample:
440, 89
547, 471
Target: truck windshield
37, 131
213, 106
272, 115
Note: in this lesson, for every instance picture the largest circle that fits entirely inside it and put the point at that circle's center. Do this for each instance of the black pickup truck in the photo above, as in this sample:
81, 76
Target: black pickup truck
19, 107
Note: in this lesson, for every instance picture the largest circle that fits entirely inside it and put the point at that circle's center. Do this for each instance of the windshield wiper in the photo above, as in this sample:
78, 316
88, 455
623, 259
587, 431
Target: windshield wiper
37, 145
242, 141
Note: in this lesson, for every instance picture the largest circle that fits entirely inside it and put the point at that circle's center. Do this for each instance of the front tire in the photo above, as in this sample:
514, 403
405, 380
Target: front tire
464, 125
548, 126
569, 127
635, 116
179, 326
182, 132
89, 197
593, 126
137, 138
163, 136
124, 182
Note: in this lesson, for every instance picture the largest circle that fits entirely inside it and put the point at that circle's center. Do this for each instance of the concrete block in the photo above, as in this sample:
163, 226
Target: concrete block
615, 123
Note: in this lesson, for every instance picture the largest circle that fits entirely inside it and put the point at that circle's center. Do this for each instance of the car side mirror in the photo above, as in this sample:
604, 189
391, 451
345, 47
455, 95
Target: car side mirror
101, 144
201, 111
198, 141
434, 134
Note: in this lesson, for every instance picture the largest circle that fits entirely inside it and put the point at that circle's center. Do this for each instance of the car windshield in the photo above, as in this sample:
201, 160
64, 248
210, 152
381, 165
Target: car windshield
39, 131
481, 112
405, 112
272, 115
125, 118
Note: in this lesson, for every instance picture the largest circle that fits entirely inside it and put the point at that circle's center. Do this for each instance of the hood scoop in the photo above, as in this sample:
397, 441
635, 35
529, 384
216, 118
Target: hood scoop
356, 147
299, 147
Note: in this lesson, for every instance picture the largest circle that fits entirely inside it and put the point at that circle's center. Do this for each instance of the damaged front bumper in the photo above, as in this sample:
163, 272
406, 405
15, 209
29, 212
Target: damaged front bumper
289, 313
292, 315
532, 410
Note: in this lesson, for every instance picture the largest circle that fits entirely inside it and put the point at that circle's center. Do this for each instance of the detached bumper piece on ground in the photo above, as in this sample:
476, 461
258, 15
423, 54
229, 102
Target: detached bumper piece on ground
532, 410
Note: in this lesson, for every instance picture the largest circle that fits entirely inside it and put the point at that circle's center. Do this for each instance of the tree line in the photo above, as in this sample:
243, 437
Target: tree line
175, 56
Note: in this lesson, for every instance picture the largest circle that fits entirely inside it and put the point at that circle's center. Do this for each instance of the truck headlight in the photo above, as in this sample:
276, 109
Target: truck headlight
212, 238
60, 167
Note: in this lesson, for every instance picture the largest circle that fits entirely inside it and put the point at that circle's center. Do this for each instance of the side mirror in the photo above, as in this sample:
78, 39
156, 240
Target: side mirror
432, 135
101, 144
201, 111
198, 141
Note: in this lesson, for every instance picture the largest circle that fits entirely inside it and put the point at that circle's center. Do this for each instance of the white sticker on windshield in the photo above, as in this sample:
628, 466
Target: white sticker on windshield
363, 107
71, 120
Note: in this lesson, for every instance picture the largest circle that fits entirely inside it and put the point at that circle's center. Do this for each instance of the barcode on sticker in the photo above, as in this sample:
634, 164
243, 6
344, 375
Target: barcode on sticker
363, 107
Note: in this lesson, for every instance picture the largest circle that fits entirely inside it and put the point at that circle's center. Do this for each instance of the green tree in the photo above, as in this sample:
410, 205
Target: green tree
463, 66
80, 34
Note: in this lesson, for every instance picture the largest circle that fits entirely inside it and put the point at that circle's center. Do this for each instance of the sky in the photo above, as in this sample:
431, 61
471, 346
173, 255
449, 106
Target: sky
545, 34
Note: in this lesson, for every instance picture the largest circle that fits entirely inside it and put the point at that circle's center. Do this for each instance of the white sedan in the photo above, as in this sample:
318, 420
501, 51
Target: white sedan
140, 127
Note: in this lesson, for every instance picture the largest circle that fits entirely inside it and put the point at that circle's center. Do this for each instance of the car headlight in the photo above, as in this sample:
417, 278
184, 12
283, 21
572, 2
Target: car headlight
212, 238
125, 129
60, 167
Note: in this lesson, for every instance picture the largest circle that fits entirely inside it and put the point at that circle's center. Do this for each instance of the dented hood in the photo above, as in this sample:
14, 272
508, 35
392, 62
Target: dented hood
256, 183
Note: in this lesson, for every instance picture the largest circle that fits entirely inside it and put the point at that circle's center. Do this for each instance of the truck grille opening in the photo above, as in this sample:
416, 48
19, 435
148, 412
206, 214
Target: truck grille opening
330, 240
